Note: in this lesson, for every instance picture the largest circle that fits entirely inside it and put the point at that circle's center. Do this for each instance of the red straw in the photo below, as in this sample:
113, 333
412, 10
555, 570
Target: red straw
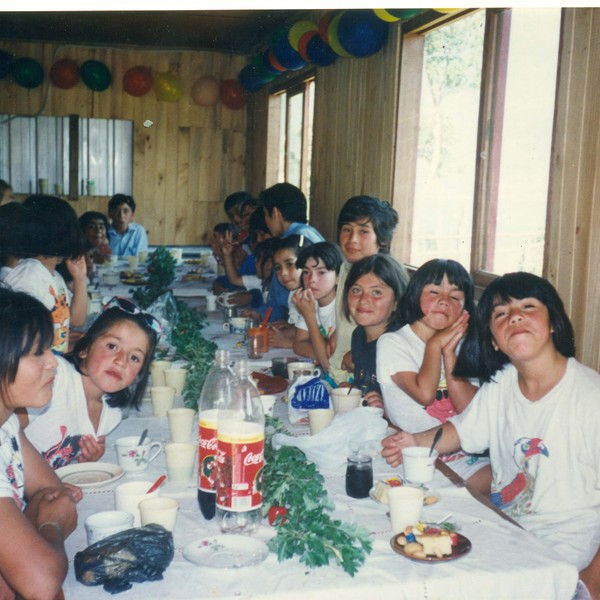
266, 319
157, 484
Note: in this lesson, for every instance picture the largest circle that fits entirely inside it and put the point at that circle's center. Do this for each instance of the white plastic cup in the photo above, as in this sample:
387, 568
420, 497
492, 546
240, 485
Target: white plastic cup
160, 510
133, 457
157, 369
181, 461
163, 398
129, 495
268, 403
143, 256
102, 524
406, 505
211, 302
345, 399
319, 419
176, 253
181, 424
133, 262
175, 378
419, 467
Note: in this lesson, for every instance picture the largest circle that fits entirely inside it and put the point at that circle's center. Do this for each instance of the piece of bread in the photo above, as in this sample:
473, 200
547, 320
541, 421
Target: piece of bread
382, 488
438, 544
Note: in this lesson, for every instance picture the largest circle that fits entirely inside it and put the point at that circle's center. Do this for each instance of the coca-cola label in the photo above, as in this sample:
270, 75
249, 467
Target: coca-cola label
240, 460
207, 450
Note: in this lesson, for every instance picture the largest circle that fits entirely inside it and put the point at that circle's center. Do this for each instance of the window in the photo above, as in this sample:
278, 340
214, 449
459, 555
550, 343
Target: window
485, 131
36, 155
294, 109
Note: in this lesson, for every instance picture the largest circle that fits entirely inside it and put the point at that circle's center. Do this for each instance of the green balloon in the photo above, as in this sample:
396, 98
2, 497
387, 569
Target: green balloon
28, 72
95, 75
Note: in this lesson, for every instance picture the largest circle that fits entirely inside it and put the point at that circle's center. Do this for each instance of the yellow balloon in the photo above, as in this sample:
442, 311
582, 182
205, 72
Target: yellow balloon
333, 36
446, 10
385, 15
167, 87
297, 30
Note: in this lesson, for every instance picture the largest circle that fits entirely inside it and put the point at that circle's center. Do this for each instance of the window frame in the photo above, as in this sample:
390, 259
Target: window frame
485, 198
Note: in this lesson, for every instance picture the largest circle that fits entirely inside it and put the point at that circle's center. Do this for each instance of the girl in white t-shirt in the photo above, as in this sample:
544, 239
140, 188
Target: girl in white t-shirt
106, 371
415, 364
315, 301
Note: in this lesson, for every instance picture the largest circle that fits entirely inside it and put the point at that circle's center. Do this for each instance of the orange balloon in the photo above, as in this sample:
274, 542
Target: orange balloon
138, 81
205, 91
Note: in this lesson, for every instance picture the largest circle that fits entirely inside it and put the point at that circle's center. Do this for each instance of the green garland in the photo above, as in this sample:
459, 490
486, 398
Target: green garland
296, 502
161, 274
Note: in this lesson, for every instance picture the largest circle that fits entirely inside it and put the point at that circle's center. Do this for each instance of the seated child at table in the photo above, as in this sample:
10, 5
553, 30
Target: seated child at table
372, 294
365, 227
57, 238
17, 227
94, 226
126, 238
106, 371
415, 364
37, 510
312, 311
234, 207
220, 233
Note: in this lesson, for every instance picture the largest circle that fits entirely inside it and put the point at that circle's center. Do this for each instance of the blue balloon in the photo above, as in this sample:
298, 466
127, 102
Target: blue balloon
320, 53
287, 56
361, 33
267, 66
249, 79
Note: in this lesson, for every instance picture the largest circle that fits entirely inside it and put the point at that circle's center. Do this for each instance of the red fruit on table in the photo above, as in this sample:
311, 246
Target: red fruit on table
276, 515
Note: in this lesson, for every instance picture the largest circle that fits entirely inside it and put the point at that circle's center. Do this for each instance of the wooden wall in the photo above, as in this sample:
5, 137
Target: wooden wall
184, 165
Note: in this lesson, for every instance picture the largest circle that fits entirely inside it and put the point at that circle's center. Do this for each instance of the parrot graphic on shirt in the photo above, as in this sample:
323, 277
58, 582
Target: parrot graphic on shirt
516, 496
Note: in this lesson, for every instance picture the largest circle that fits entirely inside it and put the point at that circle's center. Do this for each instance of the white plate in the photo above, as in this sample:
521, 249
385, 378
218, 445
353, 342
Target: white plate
226, 551
90, 474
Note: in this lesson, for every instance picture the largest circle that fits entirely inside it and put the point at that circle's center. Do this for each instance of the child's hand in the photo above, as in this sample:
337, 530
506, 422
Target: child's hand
373, 399
77, 268
449, 338
240, 298
250, 314
331, 345
305, 302
226, 243
393, 445
91, 449
281, 335
348, 363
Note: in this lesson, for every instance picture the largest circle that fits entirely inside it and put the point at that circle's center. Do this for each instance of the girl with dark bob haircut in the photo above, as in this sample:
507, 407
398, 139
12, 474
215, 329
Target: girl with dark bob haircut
34, 536
478, 358
432, 272
106, 372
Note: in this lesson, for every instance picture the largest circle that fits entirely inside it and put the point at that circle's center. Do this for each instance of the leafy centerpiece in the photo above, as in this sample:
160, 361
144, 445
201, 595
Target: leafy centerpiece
296, 503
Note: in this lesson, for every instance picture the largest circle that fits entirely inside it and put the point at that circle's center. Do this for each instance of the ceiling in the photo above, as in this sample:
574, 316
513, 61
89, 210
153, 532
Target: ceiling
232, 31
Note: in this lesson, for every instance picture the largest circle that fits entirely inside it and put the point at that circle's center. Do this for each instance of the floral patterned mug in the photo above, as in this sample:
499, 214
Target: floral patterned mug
134, 457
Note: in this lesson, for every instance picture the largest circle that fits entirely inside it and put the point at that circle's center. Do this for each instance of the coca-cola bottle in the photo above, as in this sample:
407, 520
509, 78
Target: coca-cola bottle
216, 393
240, 456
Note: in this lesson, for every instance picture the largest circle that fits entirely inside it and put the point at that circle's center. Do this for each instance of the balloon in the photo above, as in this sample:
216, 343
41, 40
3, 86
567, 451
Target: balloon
297, 30
385, 15
232, 94
28, 72
275, 63
324, 22
167, 87
64, 74
446, 10
6, 64
249, 79
391, 15
304, 42
138, 81
361, 33
287, 56
320, 53
262, 72
264, 61
332, 36
205, 91
95, 75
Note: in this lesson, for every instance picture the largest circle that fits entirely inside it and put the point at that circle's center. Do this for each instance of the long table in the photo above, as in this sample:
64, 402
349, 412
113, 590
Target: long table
505, 561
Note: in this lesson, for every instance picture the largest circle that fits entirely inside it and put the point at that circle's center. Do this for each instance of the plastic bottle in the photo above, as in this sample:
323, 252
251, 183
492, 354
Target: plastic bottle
216, 393
240, 457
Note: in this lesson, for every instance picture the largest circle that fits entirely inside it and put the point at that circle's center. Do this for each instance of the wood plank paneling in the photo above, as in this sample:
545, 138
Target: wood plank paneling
172, 175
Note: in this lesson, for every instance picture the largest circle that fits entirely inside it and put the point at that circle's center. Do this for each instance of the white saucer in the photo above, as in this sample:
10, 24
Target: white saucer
90, 474
226, 551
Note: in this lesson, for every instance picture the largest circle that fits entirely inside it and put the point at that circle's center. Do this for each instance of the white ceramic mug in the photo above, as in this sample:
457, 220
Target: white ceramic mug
236, 325
163, 397
160, 510
181, 461
302, 368
181, 424
102, 524
345, 399
419, 467
223, 298
133, 457
129, 495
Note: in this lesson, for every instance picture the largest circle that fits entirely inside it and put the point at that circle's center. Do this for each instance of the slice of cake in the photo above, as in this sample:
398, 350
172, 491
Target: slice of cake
436, 544
380, 492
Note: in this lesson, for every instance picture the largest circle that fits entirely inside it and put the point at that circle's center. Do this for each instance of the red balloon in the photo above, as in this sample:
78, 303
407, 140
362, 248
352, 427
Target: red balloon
303, 43
138, 81
232, 94
64, 74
